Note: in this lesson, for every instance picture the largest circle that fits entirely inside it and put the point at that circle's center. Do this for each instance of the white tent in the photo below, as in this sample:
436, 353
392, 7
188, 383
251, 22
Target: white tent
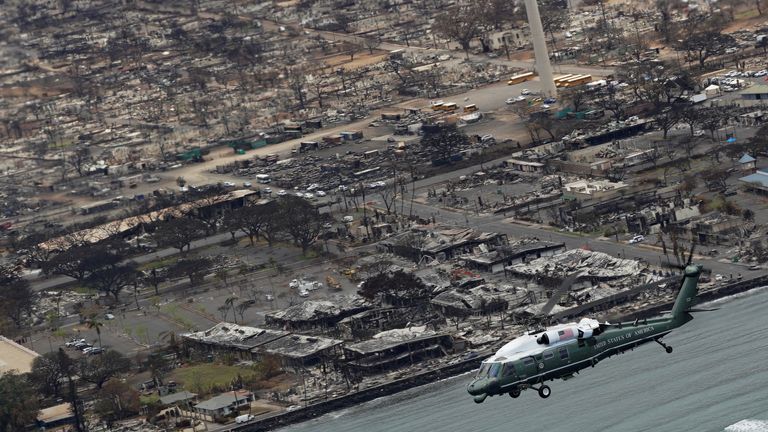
712, 90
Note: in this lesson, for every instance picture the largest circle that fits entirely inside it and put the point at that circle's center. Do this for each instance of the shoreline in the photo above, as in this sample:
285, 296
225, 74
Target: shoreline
448, 371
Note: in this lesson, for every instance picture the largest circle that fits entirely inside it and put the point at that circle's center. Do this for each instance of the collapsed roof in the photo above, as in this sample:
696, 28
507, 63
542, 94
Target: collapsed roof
228, 334
583, 263
316, 310
392, 338
472, 299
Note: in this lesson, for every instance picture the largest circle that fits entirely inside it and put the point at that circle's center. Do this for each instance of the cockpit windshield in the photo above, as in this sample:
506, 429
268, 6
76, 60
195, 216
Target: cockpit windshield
483, 372
489, 370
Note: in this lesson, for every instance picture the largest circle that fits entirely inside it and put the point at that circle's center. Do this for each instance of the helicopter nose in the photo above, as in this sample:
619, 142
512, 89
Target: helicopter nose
476, 387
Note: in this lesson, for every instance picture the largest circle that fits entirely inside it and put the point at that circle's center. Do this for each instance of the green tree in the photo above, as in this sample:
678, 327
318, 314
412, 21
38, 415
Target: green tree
113, 278
397, 287
444, 143
100, 368
116, 400
18, 402
301, 220
193, 268
17, 301
179, 233
47, 374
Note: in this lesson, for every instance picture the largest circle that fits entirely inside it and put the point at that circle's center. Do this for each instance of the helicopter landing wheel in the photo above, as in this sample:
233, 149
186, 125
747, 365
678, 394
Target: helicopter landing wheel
545, 391
667, 348
515, 393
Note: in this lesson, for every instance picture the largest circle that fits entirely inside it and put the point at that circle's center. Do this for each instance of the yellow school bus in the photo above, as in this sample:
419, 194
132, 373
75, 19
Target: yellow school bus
519, 78
577, 80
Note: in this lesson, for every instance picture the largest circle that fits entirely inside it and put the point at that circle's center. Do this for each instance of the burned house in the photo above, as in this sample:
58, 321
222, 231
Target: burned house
479, 300
228, 338
367, 323
131, 225
589, 275
299, 351
317, 315
396, 348
524, 250
252, 343
440, 243
718, 229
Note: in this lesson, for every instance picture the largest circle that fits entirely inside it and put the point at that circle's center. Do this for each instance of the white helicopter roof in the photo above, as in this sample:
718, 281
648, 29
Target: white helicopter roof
526, 345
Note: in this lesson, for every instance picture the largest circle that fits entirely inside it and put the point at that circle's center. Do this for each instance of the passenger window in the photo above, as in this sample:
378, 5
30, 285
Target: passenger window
509, 370
528, 361
563, 353
548, 355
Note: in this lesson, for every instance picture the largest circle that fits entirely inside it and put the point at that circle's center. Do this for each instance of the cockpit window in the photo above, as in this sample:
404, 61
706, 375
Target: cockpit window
483, 370
495, 369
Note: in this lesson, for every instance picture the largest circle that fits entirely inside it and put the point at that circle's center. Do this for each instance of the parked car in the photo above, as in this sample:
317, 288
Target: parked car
109, 316
347, 219
282, 193
550, 101
525, 92
755, 267
94, 351
320, 193
74, 342
247, 184
636, 239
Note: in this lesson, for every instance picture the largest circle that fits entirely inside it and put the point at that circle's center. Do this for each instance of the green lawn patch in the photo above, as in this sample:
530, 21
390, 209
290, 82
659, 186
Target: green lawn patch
149, 399
202, 378
159, 264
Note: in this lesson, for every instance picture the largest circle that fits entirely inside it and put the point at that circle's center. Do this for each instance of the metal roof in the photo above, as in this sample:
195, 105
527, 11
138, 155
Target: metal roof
223, 400
177, 397
746, 159
759, 177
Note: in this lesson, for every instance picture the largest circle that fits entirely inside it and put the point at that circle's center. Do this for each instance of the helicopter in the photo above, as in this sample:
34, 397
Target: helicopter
563, 350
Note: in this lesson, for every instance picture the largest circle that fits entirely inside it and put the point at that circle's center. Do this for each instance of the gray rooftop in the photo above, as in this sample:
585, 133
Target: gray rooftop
759, 177
177, 397
746, 159
223, 400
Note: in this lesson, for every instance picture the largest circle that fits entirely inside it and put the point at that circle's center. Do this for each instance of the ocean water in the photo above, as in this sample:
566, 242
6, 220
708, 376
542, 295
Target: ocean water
715, 380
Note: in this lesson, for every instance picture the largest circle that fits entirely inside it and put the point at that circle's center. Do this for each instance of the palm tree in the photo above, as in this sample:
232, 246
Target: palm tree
93, 323
229, 303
